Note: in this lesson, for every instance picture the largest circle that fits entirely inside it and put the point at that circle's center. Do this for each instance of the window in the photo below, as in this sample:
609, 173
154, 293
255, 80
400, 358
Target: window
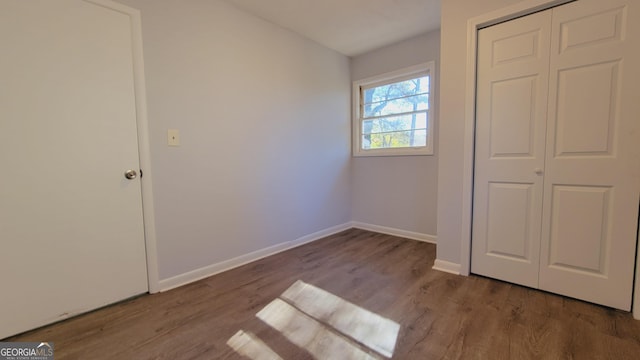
393, 113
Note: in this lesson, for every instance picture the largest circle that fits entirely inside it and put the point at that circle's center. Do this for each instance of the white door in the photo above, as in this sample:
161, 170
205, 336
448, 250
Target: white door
581, 224
592, 166
71, 223
513, 68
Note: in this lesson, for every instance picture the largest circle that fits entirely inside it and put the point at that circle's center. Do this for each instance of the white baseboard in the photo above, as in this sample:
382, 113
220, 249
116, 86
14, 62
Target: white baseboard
395, 232
205, 272
446, 266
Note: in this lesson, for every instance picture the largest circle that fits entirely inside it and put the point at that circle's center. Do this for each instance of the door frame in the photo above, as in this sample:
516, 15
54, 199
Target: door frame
144, 149
474, 24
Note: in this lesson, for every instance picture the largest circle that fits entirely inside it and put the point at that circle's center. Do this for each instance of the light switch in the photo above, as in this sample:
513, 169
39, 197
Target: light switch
173, 137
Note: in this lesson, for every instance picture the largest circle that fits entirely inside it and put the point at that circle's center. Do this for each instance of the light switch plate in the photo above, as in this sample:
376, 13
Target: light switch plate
173, 137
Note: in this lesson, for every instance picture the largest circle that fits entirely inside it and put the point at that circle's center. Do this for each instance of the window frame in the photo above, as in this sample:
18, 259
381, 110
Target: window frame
427, 68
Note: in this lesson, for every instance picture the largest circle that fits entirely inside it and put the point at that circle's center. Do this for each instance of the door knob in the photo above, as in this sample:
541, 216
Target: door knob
538, 171
130, 174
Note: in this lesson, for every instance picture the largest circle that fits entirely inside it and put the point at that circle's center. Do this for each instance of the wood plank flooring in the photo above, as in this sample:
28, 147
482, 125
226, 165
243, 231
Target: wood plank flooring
441, 316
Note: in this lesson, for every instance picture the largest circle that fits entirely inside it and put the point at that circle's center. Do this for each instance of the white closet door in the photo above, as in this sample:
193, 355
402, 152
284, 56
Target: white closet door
593, 163
513, 60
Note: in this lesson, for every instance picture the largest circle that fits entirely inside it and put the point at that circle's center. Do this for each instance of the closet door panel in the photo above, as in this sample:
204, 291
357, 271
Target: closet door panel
512, 85
580, 231
590, 207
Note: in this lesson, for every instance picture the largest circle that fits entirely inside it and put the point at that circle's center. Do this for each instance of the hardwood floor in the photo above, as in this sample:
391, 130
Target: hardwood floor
441, 316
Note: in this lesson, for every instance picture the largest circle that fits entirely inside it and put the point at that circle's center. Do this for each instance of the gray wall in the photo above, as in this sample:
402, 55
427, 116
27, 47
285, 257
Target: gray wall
264, 119
398, 192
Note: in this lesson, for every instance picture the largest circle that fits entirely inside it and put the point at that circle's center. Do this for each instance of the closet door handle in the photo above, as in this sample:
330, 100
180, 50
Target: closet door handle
538, 171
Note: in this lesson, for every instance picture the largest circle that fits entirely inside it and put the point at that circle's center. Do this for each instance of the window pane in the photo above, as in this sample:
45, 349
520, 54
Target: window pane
396, 139
395, 123
396, 106
397, 90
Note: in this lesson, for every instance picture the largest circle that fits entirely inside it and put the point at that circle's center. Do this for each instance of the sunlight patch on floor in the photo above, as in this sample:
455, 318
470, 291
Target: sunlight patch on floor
323, 324
368, 328
247, 344
309, 334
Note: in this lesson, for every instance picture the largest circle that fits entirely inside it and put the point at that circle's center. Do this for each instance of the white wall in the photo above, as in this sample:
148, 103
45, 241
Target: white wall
397, 192
264, 119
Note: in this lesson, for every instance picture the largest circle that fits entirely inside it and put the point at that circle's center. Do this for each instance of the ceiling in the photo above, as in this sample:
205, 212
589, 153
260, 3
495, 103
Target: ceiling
351, 27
